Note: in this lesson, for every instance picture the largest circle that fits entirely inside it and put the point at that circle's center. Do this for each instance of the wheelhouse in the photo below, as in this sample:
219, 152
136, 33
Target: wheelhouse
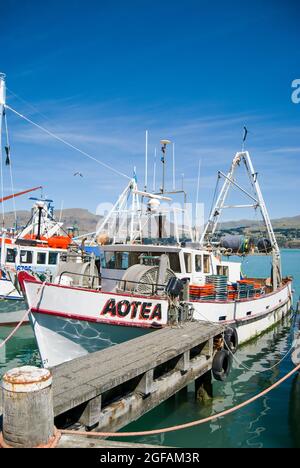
30, 257
186, 262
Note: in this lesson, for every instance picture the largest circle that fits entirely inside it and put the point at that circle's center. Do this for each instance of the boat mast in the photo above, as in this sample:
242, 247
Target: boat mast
2, 98
257, 201
2, 110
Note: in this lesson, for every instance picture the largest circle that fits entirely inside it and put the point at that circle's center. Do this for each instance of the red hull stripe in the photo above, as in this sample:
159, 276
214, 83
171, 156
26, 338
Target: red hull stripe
96, 320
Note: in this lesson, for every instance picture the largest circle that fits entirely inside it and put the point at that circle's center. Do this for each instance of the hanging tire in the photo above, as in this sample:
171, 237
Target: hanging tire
231, 339
221, 365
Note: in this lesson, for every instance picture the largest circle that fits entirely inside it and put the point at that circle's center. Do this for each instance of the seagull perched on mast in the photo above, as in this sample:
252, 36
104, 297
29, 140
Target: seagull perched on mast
78, 174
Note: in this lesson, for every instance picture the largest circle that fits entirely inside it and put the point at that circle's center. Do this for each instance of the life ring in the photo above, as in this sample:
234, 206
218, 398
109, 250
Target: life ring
221, 365
231, 339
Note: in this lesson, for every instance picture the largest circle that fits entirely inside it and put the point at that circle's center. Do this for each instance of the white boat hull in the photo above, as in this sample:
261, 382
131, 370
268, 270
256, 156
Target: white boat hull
8, 290
250, 317
12, 317
70, 322
9, 293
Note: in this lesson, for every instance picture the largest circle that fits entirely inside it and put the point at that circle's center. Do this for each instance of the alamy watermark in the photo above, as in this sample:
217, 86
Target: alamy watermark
296, 93
170, 221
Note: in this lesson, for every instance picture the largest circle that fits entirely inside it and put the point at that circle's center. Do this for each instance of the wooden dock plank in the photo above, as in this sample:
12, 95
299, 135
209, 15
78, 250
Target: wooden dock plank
96, 373
104, 363
136, 344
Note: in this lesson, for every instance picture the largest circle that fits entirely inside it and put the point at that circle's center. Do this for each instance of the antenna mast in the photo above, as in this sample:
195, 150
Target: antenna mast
2, 111
173, 157
164, 144
154, 171
146, 160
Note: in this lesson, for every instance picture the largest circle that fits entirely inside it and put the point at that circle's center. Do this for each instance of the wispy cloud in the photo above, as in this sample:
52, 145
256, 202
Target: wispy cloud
114, 132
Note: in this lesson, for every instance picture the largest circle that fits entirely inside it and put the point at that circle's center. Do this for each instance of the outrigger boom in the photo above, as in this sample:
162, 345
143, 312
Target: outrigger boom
257, 202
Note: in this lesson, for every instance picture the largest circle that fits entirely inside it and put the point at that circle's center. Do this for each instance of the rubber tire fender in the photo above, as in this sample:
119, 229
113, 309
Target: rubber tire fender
231, 339
221, 364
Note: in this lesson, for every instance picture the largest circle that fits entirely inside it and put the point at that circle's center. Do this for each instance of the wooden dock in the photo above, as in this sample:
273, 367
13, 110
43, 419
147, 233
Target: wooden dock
115, 386
109, 389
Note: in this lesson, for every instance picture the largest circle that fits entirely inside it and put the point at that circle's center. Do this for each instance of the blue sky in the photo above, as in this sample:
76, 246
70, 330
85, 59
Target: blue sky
98, 73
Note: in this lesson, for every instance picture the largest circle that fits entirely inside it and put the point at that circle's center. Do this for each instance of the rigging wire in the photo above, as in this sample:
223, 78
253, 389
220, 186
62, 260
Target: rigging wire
35, 109
10, 169
1, 175
67, 143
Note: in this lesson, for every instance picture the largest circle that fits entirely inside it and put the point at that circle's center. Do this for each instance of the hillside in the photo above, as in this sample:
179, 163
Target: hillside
83, 219
87, 221
280, 223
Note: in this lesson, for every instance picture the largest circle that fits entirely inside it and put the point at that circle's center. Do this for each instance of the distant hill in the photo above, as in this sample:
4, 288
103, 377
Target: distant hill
83, 219
281, 223
87, 221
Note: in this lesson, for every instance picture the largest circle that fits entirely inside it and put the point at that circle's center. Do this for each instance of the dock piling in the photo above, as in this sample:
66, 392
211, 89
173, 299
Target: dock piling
28, 419
204, 388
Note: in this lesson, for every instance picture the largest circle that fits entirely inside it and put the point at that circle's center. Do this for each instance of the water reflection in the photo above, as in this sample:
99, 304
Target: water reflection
294, 412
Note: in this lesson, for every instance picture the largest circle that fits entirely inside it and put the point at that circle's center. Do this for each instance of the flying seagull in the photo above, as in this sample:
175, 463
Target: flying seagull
78, 173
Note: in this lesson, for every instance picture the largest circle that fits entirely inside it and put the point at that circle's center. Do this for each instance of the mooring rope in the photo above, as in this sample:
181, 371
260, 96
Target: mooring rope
15, 329
40, 291
256, 371
188, 425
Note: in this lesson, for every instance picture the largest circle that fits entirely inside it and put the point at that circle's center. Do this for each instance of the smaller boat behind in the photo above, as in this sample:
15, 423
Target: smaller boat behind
37, 246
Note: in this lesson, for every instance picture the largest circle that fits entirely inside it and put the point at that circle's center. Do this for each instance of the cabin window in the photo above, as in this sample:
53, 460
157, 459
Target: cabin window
41, 258
11, 255
115, 260
222, 270
188, 262
26, 256
110, 260
121, 262
53, 258
206, 264
174, 262
134, 258
198, 263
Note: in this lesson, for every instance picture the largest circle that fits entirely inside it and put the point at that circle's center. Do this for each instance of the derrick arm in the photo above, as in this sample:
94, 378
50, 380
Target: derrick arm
216, 212
14, 195
277, 275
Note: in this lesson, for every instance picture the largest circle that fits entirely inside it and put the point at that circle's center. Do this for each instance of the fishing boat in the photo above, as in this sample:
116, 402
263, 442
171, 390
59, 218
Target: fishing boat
145, 285
37, 247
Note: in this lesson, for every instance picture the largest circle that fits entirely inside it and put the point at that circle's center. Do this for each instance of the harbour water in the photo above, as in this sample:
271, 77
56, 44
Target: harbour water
272, 421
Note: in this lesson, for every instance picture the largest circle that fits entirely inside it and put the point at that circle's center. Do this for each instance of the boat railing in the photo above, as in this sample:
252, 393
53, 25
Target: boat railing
83, 275
154, 286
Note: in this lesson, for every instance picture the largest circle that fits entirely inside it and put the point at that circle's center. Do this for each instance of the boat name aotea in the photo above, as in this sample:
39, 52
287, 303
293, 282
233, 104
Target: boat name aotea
135, 310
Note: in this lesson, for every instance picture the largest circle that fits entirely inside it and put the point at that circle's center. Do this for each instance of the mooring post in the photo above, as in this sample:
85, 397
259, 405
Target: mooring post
28, 419
204, 388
